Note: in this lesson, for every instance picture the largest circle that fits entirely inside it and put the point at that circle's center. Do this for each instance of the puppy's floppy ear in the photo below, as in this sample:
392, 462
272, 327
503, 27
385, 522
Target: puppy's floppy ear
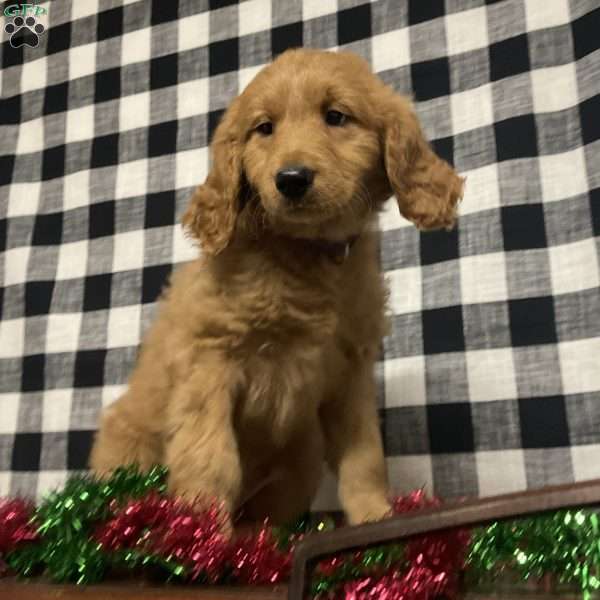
214, 206
426, 187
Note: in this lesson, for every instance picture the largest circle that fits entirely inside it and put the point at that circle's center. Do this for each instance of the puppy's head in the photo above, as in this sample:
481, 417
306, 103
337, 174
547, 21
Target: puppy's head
311, 148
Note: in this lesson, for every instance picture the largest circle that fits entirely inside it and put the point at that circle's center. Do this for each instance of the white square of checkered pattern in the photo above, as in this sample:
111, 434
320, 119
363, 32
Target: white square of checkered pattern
466, 30
405, 383
563, 175
491, 375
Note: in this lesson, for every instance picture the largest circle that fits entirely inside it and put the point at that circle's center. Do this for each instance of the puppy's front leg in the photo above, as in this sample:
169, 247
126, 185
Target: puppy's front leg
355, 450
202, 451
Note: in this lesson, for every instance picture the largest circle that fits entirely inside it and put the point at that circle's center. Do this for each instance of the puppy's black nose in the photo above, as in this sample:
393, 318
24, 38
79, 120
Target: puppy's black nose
292, 181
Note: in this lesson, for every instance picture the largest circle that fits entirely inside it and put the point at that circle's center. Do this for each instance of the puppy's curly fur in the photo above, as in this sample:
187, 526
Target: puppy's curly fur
259, 366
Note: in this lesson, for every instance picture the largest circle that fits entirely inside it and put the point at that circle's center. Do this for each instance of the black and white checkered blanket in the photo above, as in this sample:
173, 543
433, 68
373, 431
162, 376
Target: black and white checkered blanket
490, 380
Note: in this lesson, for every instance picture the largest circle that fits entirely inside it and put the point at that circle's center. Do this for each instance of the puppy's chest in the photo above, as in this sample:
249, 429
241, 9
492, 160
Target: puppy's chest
286, 326
283, 386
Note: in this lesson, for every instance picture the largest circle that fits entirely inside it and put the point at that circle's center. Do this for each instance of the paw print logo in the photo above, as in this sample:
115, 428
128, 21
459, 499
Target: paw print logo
24, 32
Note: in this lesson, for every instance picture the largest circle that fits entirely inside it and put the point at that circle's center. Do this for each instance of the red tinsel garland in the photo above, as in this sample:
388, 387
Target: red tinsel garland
172, 529
436, 559
190, 542
428, 566
176, 531
15, 526
418, 583
258, 560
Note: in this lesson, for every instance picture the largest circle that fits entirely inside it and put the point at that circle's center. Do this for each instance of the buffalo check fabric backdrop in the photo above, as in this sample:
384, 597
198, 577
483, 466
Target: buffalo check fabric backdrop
490, 378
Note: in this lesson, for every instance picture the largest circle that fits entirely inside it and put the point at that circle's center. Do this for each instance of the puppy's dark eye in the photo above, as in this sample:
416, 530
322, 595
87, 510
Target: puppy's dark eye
335, 118
265, 128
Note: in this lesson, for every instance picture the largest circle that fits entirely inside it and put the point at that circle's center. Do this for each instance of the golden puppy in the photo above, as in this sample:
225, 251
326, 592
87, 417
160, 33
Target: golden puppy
259, 366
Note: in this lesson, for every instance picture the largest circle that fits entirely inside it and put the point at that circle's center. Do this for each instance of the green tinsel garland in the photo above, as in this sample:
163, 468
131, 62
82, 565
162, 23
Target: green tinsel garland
564, 544
64, 521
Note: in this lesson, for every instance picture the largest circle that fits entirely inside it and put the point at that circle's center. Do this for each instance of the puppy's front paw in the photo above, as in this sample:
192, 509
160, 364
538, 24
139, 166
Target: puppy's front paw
367, 509
203, 502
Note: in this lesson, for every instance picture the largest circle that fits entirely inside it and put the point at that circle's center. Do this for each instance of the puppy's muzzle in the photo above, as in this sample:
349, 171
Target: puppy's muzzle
293, 181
